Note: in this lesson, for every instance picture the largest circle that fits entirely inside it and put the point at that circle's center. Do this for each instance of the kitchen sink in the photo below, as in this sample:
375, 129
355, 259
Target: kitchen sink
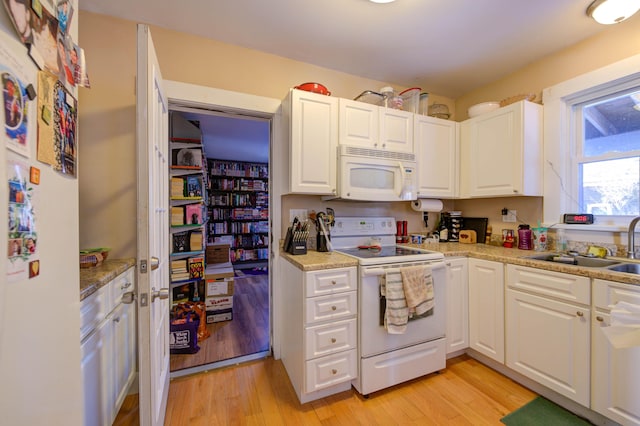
584, 261
629, 268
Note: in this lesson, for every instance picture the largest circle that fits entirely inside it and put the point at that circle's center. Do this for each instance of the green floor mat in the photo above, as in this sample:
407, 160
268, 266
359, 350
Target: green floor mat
541, 411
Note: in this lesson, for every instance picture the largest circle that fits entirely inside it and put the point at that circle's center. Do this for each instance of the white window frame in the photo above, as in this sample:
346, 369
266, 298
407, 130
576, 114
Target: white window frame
560, 136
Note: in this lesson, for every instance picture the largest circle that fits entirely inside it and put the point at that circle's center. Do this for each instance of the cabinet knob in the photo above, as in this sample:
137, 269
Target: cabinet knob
580, 313
116, 319
333, 308
333, 282
334, 371
515, 191
333, 340
599, 318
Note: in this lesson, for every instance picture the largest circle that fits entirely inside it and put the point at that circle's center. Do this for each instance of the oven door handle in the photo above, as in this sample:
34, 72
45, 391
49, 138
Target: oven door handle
372, 272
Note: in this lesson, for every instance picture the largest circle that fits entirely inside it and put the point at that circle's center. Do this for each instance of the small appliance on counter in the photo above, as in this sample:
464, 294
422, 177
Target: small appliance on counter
324, 222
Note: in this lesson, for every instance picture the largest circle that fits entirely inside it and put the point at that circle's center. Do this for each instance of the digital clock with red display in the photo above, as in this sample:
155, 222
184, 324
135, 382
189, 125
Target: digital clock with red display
578, 218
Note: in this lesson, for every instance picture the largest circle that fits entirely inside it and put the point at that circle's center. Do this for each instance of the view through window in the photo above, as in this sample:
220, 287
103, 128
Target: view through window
608, 155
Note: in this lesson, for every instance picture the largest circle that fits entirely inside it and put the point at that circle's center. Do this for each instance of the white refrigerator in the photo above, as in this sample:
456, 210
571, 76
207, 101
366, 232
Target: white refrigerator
40, 371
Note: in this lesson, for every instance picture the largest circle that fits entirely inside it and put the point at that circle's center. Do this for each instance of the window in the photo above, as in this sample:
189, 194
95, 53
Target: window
606, 162
592, 146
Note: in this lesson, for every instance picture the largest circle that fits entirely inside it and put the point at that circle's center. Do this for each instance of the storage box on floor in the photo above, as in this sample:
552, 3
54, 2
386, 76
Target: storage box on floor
217, 254
219, 292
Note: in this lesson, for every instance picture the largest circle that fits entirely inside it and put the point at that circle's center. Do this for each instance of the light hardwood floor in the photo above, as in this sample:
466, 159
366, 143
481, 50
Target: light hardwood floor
247, 333
259, 393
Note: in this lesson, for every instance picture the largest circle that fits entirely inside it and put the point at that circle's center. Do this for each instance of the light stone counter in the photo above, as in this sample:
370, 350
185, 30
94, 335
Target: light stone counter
91, 279
316, 260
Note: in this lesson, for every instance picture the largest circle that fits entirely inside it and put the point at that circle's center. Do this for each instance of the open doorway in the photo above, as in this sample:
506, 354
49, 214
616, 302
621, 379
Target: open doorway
236, 196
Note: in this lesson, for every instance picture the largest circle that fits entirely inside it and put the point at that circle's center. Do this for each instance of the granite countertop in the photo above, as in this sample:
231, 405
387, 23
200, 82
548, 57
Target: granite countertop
316, 260
91, 279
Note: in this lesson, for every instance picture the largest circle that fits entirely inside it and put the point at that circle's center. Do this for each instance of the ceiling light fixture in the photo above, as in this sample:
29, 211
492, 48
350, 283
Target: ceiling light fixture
612, 11
382, 1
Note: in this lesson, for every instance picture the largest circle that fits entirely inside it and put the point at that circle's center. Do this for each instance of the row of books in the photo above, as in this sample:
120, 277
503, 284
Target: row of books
186, 186
241, 255
247, 241
233, 199
190, 214
249, 227
187, 241
187, 269
223, 184
234, 168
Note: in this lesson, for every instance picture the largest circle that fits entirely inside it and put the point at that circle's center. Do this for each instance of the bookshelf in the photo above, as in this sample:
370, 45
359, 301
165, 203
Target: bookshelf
188, 213
239, 210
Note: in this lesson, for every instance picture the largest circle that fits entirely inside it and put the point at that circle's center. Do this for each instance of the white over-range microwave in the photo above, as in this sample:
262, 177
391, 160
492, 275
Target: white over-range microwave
376, 175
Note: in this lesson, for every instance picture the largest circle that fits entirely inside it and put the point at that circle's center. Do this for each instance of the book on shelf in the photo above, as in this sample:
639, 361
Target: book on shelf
188, 158
193, 186
196, 267
193, 213
179, 242
179, 270
177, 187
195, 240
177, 215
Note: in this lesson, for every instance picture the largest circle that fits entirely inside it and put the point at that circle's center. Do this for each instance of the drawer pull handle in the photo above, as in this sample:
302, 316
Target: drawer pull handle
333, 340
333, 282
334, 371
116, 319
125, 286
599, 318
580, 314
333, 308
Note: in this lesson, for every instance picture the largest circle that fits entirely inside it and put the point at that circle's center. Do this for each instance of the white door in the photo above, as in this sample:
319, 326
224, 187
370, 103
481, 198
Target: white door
153, 228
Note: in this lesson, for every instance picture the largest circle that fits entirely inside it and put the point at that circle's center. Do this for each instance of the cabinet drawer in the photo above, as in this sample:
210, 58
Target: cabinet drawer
330, 370
571, 288
94, 309
608, 293
330, 338
320, 283
122, 284
333, 307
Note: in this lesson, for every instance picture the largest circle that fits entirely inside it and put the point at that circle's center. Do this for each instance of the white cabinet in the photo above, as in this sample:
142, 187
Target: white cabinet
312, 120
616, 372
371, 126
108, 349
319, 345
547, 329
457, 304
437, 156
486, 308
501, 152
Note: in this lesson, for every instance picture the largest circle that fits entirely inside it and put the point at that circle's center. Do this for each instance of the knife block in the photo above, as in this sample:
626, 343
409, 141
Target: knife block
293, 246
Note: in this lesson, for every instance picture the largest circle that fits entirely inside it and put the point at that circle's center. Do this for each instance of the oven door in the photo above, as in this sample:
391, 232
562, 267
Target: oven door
374, 338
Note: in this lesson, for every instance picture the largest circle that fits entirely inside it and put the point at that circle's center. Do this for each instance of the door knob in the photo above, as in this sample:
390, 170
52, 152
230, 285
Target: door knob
163, 293
155, 262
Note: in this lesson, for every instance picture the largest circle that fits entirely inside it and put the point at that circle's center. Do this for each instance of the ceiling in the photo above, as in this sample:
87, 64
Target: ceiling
447, 47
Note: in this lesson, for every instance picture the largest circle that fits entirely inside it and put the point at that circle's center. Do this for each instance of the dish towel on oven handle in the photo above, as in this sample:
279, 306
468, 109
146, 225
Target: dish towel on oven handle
405, 298
418, 290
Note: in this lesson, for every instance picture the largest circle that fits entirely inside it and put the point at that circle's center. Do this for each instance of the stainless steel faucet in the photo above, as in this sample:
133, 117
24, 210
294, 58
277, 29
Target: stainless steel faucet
631, 238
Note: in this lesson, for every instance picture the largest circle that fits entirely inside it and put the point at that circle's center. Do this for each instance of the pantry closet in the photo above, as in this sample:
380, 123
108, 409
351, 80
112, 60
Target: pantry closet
230, 185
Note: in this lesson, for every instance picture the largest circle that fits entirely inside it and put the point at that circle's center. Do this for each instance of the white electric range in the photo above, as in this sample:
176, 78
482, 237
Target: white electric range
386, 359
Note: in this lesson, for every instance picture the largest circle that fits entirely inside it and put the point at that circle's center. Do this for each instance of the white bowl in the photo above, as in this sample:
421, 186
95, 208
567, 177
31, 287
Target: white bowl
482, 108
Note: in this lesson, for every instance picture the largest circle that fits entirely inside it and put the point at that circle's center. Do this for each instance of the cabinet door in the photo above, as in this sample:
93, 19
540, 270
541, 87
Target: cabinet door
436, 144
616, 377
502, 152
314, 141
396, 130
124, 356
548, 341
97, 376
359, 124
486, 308
457, 305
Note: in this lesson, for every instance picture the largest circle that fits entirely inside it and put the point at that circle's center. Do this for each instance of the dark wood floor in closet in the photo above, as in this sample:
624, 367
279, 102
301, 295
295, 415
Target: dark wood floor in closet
246, 333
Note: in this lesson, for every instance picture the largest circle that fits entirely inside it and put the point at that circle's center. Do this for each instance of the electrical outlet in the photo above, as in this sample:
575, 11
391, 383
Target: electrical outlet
510, 216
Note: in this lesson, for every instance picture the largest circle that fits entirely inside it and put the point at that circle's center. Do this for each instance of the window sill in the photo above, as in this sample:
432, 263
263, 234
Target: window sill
588, 228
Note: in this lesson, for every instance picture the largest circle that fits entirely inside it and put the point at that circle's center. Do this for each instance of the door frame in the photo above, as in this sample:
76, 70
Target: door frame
208, 98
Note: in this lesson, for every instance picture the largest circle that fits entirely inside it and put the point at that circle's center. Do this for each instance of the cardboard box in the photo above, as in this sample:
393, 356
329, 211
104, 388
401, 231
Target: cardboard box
217, 253
218, 316
219, 280
218, 303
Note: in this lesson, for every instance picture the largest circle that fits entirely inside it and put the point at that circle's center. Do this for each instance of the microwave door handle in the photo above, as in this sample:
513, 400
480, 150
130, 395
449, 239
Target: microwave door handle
404, 191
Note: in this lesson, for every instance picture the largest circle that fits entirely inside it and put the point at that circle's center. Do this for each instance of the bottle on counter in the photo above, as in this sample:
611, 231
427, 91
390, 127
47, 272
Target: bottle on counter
443, 228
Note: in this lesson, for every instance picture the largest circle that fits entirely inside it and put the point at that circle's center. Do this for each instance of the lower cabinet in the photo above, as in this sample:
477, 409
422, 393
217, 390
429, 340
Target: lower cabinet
486, 308
547, 338
615, 371
457, 304
108, 349
319, 347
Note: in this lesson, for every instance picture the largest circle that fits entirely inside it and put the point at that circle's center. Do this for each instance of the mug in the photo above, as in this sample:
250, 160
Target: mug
417, 238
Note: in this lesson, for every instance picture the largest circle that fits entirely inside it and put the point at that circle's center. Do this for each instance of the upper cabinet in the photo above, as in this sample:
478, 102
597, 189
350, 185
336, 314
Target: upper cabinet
437, 156
371, 126
501, 152
313, 137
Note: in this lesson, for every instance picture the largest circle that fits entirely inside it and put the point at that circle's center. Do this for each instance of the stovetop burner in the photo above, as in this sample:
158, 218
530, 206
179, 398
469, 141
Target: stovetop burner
384, 251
